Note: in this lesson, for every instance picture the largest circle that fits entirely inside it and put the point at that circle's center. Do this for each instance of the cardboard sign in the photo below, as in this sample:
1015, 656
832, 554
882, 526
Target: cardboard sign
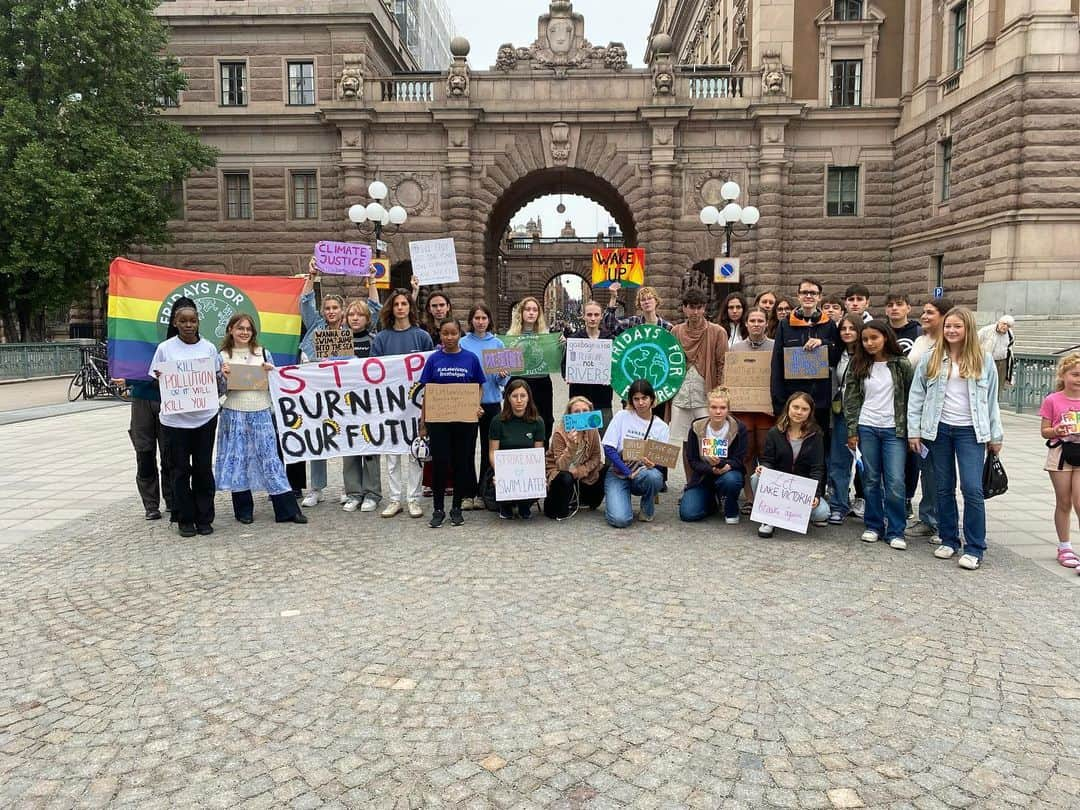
520, 475
725, 271
659, 453
434, 261
542, 354
747, 378
380, 268
784, 500
343, 258
648, 352
333, 343
496, 361
626, 266
588, 362
243, 377
799, 364
188, 385
451, 402
589, 420
715, 447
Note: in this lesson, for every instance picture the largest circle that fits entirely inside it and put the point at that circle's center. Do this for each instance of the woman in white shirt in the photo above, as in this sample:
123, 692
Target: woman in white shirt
639, 477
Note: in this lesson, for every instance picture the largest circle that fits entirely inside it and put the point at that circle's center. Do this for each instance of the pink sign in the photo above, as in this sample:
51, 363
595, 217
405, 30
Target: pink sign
343, 258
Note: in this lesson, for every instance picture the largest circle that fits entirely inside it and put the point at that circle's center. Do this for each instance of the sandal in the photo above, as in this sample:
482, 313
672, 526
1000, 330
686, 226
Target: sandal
747, 508
1068, 558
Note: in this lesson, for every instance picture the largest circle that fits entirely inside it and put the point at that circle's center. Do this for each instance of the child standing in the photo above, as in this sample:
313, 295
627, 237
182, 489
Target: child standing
478, 339
1060, 414
840, 459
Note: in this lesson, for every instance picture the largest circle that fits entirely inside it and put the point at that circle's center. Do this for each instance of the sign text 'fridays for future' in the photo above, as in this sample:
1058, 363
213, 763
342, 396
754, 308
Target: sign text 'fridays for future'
188, 385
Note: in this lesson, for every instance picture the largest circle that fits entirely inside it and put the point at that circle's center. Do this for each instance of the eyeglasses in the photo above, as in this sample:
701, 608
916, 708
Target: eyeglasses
809, 292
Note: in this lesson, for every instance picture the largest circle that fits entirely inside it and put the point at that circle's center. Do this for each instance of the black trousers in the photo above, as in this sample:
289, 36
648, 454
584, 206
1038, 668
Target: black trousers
285, 505
149, 441
453, 447
191, 454
560, 490
491, 410
543, 396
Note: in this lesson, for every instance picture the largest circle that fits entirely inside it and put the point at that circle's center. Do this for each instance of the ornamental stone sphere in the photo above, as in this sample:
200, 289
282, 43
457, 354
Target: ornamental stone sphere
662, 43
459, 46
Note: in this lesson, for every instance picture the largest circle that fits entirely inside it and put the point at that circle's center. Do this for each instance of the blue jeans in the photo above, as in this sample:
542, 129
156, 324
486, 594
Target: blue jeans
928, 503
884, 457
617, 492
957, 447
697, 503
840, 463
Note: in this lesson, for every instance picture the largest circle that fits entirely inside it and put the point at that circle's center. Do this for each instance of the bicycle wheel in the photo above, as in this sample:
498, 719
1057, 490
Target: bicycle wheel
77, 386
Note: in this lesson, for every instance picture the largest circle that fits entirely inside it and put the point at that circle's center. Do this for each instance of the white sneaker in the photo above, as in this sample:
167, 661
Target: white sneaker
969, 562
869, 536
369, 504
415, 510
344, 499
764, 530
312, 498
934, 539
944, 552
391, 509
858, 507
898, 543
731, 521
350, 504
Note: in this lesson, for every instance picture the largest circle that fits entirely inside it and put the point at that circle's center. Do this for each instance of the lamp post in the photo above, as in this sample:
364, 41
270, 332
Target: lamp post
374, 218
731, 217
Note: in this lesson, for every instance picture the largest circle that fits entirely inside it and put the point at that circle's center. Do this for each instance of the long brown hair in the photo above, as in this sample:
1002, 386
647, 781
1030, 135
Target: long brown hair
507, 413
228, 344
783, 422
862, 362
386, 317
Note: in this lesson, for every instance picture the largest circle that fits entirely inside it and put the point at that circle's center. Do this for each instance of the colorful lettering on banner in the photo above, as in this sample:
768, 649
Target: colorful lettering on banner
588, 420
588, 362
648, 352
434, 261
803, 364
784, 500
542, 354
496, 361
624, 266
355, 407
714, 446
520, 475
343, 258
1071, 421
188, 385
747, 377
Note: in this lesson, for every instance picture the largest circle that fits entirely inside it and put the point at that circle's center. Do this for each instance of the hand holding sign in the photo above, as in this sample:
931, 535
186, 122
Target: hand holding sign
434, 261
343, 258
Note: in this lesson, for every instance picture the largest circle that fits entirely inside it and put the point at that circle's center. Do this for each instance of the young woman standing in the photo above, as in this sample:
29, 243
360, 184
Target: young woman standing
841, 460
733, 317
637, 477
648, 304
574, 459
517, 427
766, 301
715, 479
757, 423
362, 478
783, 308
953, 409
528, 318
1060, 414
478, 339
875, 410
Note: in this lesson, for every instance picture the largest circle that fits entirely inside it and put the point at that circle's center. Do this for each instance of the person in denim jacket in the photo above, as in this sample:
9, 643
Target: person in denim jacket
953, 411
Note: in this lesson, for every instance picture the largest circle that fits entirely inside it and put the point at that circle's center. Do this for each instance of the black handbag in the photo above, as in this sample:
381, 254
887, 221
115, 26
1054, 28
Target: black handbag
995, 481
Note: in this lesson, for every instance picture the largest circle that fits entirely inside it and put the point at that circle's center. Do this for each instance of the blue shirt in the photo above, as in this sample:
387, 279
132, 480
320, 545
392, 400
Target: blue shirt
460, 367
494, 384
401, 341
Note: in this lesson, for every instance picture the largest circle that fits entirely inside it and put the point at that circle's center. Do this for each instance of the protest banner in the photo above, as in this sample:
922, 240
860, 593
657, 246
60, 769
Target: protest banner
659, 453
451, 402
588, 361
714, 446
625, 266
333, 343
243, 377
648, 352
784, 500
542, 354
355, 407
434, 261
589, 420
800, 364
520, 474
747, 378
496, 361
343, 258
380, 269
187, 385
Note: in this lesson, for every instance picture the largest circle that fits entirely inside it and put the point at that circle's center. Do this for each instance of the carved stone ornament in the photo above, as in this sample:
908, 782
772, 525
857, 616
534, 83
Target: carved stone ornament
412, 191
942, 128
351, 83
707, 186
772, 74
561, 46
560, 143
457, 79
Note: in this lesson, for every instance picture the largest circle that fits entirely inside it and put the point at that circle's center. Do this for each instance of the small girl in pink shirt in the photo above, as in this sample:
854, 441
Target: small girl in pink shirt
1060, 414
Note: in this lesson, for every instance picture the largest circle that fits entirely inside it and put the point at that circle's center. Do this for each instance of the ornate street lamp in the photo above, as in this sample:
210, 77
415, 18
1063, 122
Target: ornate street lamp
374, 219
735, 220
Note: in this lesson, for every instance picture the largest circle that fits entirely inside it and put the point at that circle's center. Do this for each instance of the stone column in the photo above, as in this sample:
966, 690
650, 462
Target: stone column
769, 198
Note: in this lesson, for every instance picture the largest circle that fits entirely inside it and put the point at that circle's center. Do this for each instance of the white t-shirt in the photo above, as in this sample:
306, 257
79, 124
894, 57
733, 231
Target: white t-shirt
877, 410
923, 344
628, 425
175, 349
721, 434
956, 410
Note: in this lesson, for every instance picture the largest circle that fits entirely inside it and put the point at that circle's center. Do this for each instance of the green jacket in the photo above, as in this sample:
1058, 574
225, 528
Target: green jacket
902, 374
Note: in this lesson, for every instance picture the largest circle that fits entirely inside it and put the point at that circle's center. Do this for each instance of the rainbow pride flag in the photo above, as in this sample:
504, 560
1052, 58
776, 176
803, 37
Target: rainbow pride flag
141, 297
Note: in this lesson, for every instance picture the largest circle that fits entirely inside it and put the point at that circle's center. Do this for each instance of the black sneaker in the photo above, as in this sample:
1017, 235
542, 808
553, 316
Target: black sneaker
246, 520
186, 530
456, 518
206, 529
506, 512
437, 518
153, 514
525, 512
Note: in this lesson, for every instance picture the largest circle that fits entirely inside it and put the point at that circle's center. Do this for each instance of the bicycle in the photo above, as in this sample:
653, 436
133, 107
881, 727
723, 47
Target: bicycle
92, 379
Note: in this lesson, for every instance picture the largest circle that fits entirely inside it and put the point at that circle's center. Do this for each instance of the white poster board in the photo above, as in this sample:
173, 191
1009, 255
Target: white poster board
588, 362
520, 474
188, 385
434, 261
784, 500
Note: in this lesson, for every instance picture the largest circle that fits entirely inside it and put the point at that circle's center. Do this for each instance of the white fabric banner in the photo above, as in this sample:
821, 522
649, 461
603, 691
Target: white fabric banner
357, 407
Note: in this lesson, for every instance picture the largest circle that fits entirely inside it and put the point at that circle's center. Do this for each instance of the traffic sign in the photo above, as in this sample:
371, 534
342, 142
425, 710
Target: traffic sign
726, 271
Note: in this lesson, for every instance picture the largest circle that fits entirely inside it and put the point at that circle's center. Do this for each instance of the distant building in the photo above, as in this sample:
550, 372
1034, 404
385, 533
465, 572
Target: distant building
427, 28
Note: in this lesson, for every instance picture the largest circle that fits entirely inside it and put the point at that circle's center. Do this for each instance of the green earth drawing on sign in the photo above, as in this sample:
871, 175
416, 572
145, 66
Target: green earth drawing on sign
648, 352
216, 301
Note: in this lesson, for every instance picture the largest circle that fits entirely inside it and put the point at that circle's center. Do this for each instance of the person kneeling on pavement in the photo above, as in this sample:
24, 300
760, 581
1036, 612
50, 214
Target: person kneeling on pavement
714, 477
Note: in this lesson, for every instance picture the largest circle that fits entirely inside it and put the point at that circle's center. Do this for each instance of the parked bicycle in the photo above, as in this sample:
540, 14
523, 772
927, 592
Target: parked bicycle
92, 380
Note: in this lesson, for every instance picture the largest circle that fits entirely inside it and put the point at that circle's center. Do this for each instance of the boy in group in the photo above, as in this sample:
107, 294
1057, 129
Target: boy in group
833, 307
897, 310
857, 300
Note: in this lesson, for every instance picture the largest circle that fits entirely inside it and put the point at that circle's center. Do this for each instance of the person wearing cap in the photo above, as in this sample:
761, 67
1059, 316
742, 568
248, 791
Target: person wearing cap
997, 340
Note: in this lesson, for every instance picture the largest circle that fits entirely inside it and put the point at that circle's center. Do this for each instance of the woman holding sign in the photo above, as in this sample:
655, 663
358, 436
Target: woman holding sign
574, 459
638, 476
518, 427
527, 318
715, 452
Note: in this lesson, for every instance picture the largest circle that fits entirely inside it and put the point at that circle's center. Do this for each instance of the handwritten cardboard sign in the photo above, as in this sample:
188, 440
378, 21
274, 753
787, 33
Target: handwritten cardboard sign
588, 362
188, 385
510, 360
626, 266
343, 258
784, 500
451, 402
800, 364
588, 420
520, 474
333, 343
659, 453
243, 377
747, 378
715, 447
434, 261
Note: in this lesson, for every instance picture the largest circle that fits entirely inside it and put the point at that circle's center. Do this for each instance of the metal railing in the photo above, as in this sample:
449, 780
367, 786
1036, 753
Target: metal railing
25, 361
1035, 376
528, 243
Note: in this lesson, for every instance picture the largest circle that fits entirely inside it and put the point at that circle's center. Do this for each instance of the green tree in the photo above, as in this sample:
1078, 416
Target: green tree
85, 156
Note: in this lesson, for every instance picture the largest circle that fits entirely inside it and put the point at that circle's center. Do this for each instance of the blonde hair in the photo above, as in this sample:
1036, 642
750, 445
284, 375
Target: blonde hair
516, 324
1066, 362
972, 357
360, 306
648, 291
720, 392
583, 400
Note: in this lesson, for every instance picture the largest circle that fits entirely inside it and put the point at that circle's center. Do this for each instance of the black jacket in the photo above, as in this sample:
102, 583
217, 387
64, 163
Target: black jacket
906, 335
699, 469
778, 455
794, 332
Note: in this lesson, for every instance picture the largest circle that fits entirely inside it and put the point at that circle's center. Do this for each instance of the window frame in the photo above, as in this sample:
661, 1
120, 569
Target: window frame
314, 191
245, 88
946, 171
840, 186
958, 31
847, 5
298, 60
856, 79
226, 174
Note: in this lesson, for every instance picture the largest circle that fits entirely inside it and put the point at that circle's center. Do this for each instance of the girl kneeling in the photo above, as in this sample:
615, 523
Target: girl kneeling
640, 477
716, 477
573, 460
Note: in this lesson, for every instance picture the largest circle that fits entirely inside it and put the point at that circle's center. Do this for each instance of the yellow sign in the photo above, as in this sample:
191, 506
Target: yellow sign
380, 268
626, 266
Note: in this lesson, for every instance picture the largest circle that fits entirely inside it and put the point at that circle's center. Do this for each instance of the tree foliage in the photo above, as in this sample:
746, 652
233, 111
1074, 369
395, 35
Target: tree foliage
85, 156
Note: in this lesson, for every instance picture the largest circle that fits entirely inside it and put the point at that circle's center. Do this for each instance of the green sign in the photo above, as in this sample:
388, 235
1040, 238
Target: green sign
648, 352
543, 353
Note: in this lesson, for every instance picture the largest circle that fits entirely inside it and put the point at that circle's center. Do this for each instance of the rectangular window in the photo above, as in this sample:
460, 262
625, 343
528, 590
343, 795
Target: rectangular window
847, 10
946, 168
169, 99
846, 85
843, 191
959, 30
305, 195
301, 83
233, 84
939, 271
237, 195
